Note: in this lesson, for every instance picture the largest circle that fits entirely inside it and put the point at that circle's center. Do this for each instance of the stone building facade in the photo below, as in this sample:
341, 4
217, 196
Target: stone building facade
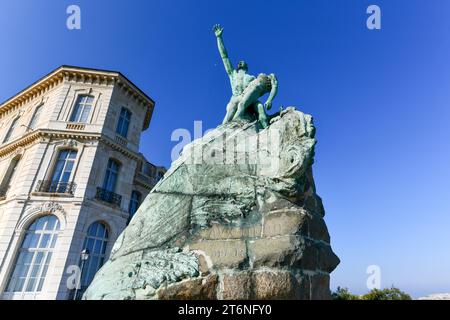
71, 177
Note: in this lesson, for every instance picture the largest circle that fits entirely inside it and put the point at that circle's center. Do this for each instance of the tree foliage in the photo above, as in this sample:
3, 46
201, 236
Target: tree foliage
392, 293
344, 294
386, 294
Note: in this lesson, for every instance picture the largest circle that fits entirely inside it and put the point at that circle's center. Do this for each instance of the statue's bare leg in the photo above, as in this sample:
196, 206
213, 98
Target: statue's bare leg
250, 96
231, 109
261, 114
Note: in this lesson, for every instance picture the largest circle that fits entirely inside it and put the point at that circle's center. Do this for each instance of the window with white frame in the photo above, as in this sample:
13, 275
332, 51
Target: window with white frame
62, 171
35, 117
135, 202
34, 255
82, 109
11, 130
9, 176
112, 173
124, 122
96, 242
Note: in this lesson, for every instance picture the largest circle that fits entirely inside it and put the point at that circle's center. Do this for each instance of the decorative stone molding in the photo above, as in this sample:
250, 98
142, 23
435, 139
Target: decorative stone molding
23, 142
49, 207
43, 135
68, 143
44, 85
18, 152
118, 147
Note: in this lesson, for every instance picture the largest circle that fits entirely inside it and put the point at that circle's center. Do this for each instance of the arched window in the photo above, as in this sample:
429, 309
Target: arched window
62, 172
35, 117
9, 176
124, 122
112, 173
11, 130
135, 202
96, 241
82, 109
34, 256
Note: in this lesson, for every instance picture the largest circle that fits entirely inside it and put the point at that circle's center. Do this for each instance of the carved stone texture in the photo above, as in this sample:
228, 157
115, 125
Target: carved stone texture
236, 217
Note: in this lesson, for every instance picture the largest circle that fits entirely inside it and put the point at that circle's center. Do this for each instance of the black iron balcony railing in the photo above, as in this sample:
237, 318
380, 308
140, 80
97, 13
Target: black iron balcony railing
108, 196
56, 187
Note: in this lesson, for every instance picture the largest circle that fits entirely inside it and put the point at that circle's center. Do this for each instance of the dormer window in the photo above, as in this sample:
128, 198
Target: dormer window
82, 109
124, 123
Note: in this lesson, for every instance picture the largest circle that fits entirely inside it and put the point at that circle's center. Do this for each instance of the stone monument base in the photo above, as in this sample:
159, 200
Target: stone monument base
236, 217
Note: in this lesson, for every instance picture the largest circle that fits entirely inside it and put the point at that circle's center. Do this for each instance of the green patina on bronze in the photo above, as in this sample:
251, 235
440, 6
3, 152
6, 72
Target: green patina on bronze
246, 88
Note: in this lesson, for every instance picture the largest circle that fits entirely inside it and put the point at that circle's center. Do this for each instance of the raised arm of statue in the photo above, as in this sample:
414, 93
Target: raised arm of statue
218, 30
273, 91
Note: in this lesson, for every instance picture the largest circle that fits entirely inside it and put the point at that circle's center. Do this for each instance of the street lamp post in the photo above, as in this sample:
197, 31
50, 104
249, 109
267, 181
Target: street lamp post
84, 257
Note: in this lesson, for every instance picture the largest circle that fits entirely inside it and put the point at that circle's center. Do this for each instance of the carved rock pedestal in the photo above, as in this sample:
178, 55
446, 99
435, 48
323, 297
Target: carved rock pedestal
236, 217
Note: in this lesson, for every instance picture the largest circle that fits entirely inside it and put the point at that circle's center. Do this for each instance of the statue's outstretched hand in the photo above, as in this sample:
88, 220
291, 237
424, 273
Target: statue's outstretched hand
268, 105
218, 30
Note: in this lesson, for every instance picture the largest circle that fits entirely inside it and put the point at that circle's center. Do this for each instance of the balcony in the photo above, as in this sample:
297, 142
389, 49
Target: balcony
76, 126
48, 186
108, 197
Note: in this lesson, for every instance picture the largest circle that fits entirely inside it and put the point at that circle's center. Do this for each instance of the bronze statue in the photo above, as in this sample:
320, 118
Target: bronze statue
246, 89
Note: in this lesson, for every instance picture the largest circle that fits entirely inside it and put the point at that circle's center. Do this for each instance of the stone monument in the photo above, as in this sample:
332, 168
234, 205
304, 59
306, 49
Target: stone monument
235, 217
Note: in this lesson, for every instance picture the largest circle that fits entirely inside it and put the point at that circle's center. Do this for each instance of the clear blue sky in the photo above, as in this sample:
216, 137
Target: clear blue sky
380, 101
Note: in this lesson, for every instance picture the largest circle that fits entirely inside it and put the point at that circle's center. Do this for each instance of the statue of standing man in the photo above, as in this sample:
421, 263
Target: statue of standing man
246, 89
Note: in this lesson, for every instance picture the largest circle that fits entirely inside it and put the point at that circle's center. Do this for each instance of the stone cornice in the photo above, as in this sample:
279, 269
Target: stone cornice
20, 143
109, 142
143, 184
85, 75
30, 93
40, 134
